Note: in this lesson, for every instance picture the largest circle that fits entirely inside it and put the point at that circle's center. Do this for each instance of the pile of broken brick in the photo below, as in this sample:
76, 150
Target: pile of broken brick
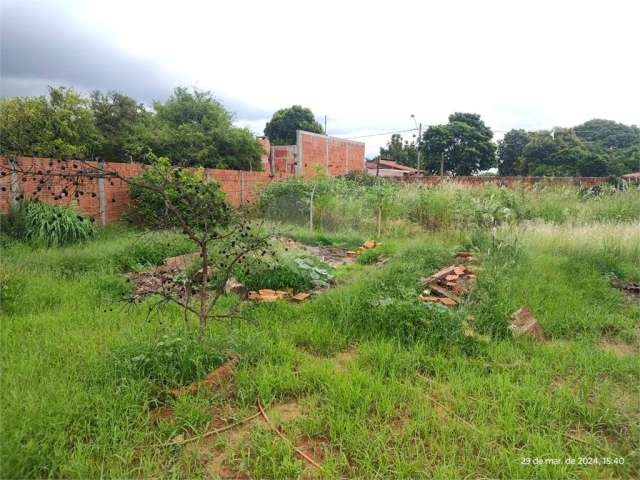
269, 295
367, 245
448, 284
163, 278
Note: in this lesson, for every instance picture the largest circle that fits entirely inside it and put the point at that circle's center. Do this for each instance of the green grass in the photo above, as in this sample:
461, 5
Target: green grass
342, 205
82, 372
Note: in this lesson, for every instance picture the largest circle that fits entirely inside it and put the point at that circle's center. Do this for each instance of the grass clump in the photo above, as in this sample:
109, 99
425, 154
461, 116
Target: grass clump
168, 361
48, 225
285, 269
344, 204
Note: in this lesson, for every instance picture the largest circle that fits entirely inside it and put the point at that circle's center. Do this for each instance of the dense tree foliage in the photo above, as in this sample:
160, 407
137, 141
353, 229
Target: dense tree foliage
594, 149
281, 129
461, 147
120, 120
608, 134
195, 129
59, 125
190, 128
510, 150
401, 151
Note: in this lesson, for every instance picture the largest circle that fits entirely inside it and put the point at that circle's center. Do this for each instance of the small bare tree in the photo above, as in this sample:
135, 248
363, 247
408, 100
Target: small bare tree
165, 196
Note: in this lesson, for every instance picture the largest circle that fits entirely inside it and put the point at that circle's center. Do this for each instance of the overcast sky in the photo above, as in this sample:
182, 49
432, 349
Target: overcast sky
366, 65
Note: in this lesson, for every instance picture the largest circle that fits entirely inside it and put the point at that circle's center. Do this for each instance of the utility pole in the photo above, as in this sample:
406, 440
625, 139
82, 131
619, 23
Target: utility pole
418, 145
419, 128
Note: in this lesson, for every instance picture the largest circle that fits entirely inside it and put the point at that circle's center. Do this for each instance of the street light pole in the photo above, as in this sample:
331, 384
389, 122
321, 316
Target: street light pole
419, 128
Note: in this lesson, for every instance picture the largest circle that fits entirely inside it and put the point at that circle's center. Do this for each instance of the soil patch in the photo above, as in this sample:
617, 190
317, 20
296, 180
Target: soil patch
314, 448
163, 412
285, 412
630, 290
618, 348
215, 379
216, 456
342, 359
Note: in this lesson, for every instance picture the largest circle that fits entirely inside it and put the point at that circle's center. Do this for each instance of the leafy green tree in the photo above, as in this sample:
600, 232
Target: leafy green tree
436, 143
193, 129
461, 147
281, 129
592, 165
60, 125
608, 134
118, 119
562, 153
24, 126
625, 160
510, 150
401, 151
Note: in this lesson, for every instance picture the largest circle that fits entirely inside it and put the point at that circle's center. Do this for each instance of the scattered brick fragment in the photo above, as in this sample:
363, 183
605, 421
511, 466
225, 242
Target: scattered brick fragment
300, 297
369, 244
448, 302
524, 323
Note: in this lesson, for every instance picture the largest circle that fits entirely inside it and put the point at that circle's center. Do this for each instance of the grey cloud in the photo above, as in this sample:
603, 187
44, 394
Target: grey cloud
41, 45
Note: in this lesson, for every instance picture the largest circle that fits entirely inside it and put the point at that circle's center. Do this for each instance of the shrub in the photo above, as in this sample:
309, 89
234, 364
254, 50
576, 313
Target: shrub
189, 194
48, 225
284, 270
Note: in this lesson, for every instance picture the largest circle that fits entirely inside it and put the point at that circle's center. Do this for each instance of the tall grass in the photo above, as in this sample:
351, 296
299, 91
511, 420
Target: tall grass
344, 204
48, 225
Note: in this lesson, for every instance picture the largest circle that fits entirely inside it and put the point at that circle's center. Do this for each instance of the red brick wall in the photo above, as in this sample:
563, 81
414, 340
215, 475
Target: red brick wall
335, 156
240, 186
283, 158
47, 178
507, 181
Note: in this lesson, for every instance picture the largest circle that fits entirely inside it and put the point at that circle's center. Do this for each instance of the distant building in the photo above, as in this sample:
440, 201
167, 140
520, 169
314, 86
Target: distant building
631, 177
313, 153
389, 168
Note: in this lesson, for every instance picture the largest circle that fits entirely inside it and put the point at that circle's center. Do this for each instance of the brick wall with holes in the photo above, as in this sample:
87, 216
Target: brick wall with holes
77, 183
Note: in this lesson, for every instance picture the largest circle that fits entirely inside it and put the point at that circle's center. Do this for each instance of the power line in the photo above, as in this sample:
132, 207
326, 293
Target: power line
381, 134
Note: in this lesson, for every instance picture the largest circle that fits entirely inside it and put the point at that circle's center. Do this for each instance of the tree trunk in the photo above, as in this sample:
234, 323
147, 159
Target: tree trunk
379, 221
313, 191
203, 288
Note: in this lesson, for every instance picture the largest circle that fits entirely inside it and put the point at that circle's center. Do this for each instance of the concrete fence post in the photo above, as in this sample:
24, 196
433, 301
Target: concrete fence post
241, 187
102, 199
14, 187
347, 155
326, 149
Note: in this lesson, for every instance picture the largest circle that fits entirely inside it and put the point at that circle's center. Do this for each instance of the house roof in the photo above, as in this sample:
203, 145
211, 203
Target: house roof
390, 164
629, 176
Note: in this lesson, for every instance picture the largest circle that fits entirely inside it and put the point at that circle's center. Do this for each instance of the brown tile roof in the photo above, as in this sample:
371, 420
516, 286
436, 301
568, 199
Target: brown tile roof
390, 164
